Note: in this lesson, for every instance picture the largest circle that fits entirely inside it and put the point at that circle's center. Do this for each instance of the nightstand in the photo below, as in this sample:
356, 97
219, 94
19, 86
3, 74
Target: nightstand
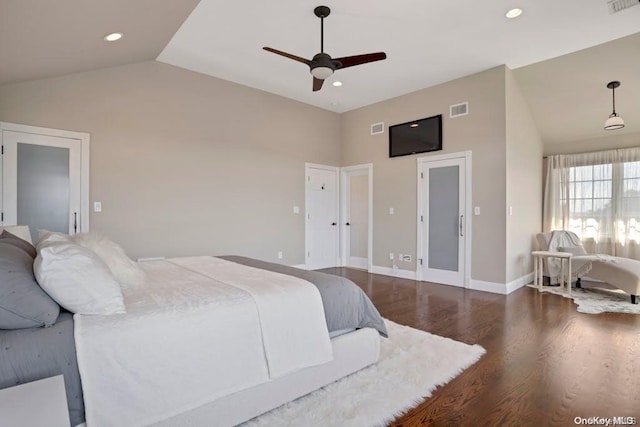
41, 403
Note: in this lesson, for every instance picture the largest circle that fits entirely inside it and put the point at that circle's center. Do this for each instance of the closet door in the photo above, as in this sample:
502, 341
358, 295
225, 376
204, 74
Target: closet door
41, 182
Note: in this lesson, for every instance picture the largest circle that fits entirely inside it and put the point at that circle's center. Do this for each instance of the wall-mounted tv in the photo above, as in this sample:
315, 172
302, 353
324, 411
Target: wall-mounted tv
418, 136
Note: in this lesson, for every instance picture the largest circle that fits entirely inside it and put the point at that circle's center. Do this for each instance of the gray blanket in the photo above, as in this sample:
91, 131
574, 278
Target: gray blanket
346, 306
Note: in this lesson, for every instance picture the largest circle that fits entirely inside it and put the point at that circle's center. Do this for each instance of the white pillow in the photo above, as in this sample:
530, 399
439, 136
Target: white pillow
126, 272
46, 237
21, 231
76, 278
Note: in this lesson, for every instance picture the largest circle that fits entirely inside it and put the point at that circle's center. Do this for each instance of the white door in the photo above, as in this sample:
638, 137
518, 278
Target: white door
442, 185
321, 217
356, 216
41, 182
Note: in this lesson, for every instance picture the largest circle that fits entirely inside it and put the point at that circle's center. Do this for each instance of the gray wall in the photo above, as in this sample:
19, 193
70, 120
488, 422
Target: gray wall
524, 181
186, 164
394, 180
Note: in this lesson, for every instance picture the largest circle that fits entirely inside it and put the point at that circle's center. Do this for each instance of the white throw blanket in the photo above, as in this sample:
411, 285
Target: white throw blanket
199, 329
579, 264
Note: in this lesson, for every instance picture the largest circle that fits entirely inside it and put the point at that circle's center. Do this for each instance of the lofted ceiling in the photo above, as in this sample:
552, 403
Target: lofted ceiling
48, 38
563, 52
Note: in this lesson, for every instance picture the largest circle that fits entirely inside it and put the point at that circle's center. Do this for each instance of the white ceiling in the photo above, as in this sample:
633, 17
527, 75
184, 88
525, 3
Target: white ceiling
427, 42
48, 38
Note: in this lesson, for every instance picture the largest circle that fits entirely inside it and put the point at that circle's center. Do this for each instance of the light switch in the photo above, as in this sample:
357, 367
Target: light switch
296, 209
97, 206
391, 211
510, 210
476, 210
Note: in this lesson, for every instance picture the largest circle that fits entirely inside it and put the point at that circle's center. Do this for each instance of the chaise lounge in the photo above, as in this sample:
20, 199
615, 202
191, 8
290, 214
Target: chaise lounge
621, 273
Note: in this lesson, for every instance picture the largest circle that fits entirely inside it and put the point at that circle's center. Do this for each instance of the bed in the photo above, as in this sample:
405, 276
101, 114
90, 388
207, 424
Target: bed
353, 323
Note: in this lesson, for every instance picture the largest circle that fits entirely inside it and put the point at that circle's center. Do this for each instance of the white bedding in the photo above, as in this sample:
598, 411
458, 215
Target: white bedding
188, 339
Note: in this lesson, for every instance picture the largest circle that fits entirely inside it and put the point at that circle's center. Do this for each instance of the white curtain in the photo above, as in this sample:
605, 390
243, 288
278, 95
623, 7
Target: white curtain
597, 196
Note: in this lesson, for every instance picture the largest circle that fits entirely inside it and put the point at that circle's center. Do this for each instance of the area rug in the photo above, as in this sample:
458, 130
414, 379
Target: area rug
595, 298
412, 364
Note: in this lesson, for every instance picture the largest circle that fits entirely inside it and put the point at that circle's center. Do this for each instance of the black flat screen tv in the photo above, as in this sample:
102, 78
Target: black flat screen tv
418, 136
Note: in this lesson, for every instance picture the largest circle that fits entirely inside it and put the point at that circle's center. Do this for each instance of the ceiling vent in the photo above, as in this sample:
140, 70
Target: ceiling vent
458, 110
616, 6
377, 128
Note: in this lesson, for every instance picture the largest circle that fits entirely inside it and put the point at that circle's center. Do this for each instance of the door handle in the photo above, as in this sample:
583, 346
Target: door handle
333, 223
348, 223
461, 218
75, 222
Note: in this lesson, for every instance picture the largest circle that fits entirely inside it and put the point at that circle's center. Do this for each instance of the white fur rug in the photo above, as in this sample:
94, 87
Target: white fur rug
412, 364
595, 298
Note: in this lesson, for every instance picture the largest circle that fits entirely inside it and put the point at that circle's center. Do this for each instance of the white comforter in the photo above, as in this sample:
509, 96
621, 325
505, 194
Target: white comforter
199, 329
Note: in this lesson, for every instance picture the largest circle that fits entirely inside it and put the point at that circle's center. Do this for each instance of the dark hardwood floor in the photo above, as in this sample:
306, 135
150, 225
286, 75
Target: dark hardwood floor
545, 363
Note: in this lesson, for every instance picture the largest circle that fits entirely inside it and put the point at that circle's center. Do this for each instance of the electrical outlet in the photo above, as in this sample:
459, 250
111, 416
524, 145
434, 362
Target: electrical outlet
279, 254
391, 255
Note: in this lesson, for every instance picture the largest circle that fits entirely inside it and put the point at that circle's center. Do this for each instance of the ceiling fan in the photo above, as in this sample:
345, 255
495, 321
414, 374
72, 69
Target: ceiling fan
322, 66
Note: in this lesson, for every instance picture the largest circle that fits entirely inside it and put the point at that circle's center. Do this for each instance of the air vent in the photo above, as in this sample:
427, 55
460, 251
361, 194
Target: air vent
616, 6
377, 128
458, 110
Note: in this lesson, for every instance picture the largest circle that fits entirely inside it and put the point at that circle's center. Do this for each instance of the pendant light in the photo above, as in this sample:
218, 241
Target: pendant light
614, 121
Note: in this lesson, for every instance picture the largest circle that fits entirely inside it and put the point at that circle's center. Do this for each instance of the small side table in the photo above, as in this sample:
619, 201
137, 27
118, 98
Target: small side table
565, 257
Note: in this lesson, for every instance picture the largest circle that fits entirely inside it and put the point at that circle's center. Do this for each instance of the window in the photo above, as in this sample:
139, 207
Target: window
597, 196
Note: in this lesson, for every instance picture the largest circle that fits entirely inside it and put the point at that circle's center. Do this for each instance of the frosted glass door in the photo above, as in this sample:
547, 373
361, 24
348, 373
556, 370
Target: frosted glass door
443, 217
357, 219
443, 223
41, 182
43, 188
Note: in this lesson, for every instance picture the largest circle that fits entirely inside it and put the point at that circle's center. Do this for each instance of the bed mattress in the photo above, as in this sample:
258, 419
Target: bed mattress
31, 354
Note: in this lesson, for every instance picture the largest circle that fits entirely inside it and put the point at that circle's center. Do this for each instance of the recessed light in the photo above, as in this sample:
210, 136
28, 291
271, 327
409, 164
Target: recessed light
414, 125
513, 13
113, 37
337, 83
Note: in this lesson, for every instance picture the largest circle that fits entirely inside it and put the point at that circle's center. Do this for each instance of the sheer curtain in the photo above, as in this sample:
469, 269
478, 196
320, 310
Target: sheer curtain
597, 196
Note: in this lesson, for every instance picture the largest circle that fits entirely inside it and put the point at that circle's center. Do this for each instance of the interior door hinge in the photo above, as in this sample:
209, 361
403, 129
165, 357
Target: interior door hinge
2, 216
2, 150
421, 175
421, 218
420, 261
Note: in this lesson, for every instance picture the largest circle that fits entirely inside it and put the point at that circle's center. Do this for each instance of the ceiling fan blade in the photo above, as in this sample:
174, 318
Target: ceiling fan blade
288, 55
350, 61
317, 84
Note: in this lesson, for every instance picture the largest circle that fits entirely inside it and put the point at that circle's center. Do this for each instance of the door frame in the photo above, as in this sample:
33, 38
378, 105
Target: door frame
307, 233
468, 210
344, 172
85, 142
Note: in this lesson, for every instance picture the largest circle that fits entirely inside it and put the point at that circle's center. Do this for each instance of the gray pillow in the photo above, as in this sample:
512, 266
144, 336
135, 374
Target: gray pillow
23, 304
12, 239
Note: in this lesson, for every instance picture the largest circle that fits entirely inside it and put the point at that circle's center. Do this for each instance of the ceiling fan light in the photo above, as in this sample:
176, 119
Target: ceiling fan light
614, 122
321, 72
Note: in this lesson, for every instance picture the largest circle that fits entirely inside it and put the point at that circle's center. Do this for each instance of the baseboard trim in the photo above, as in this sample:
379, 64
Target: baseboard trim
398, 272
519, 282
300, 266
493, 287
501, 288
